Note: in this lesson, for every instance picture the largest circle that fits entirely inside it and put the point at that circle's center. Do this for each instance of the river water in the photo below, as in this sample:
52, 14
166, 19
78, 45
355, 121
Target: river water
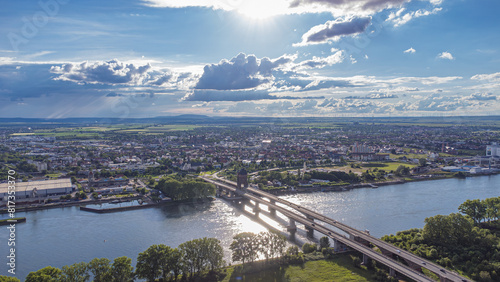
65, 236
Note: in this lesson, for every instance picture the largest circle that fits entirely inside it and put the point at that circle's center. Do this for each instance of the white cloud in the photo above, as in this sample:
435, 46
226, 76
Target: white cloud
115, 72
334, 30
436, 2
398, 19
319, 62
411, 50
276, 7
111, 72
241, 72
446, 55
495, 77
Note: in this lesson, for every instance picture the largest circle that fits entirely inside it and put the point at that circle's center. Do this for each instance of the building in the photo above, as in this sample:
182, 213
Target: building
37, 189
361, 149
493, 150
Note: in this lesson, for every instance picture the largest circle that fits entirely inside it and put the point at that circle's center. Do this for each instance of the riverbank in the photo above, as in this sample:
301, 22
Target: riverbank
342, 188
53, 205
145, 206
12, 220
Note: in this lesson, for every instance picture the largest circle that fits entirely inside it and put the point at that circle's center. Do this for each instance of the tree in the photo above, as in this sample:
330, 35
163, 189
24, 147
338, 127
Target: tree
100, 269
448, 230
402, 170
215, 253
492, 208
202, 254
277, 244
422, 162
8, 279
324, 242
175, 261
473, 208
122, 270
77, 272
153, 262
264, 239
245, 247
308, 248
46, 274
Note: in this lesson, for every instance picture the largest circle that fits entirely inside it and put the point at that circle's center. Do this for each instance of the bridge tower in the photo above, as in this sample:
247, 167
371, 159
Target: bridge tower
242, 179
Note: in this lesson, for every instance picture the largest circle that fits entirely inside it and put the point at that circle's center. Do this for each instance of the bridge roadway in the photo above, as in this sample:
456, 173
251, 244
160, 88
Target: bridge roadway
392, 264
409, 257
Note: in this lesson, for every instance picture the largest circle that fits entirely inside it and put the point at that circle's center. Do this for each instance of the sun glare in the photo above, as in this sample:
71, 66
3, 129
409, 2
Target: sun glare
261, 9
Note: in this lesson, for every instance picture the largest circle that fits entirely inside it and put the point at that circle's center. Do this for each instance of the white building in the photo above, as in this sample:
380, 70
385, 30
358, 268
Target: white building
493, 150
37, 189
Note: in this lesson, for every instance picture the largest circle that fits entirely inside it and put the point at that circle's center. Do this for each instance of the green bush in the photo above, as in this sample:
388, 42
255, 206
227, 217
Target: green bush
308, 248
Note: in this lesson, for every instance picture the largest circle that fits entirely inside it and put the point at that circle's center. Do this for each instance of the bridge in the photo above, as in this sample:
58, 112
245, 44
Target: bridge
357, 240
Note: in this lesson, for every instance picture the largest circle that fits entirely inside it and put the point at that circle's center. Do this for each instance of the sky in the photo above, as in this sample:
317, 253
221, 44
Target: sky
289, 58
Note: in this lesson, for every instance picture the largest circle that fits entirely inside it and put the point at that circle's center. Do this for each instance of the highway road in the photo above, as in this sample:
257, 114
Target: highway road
400, 268
407, 256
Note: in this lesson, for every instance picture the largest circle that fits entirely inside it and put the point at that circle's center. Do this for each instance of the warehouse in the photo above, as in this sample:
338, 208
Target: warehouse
36, 189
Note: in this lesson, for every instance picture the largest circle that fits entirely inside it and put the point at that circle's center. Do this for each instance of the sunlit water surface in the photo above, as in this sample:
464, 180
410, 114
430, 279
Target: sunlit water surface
65, 236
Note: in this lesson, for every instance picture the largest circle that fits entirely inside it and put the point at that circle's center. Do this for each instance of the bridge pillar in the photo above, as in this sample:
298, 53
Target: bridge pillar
310, 231
392, 272
366, 260
338, 246
256, 209
271, 210
292, 228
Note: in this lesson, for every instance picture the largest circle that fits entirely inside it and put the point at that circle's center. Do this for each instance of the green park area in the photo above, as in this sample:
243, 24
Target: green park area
340, 268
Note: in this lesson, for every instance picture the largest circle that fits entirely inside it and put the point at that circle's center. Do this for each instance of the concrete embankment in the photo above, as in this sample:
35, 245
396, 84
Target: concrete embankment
340, 188
36, 207
144, 206
12, 220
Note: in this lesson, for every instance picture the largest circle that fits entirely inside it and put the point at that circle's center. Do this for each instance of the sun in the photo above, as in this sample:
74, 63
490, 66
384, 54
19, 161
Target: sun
261, 9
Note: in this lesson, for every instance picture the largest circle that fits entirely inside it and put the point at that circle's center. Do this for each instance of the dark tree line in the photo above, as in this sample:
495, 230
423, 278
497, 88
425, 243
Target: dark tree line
187, 262
467, 242
185, 188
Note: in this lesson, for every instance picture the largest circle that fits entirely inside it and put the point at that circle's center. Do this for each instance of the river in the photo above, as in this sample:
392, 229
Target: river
65, 236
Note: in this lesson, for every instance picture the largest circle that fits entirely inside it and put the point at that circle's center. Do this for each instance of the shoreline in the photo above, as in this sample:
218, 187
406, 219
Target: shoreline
96, 202
342, 188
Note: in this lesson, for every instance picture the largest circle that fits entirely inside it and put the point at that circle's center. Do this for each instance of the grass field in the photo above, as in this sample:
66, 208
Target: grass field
387, 166
161, 129
338, 269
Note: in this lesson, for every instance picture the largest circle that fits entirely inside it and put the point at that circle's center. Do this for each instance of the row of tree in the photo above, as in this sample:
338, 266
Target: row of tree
160, 262
481, 210
185, 188
248, 246
468, 243
189, 259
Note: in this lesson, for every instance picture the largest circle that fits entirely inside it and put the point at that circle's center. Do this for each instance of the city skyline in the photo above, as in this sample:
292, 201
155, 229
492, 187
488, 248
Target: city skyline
151, 58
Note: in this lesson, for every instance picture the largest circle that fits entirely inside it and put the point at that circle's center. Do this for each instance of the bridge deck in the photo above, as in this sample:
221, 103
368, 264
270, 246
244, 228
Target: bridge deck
409, 257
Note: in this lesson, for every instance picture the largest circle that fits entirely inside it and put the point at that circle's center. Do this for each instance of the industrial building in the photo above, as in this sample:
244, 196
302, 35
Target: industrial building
37, 189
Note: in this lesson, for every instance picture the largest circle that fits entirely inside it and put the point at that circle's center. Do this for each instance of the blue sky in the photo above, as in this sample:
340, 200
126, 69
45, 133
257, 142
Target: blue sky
146, 58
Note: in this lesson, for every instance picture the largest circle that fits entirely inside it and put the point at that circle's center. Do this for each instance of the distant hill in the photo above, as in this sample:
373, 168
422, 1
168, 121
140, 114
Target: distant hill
203, 119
